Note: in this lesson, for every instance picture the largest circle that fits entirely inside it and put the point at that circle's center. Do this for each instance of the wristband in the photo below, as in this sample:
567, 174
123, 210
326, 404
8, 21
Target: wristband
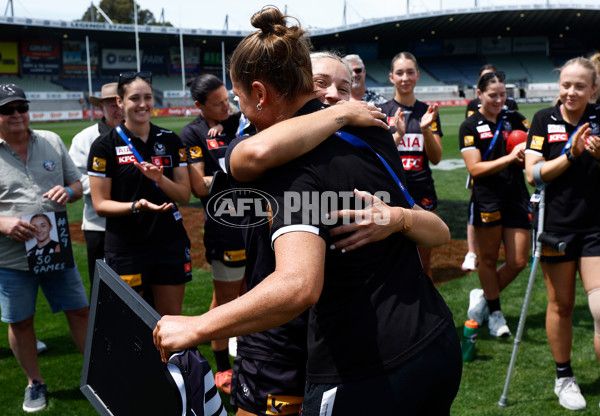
570, 156
408, 220
134, 210
70, 192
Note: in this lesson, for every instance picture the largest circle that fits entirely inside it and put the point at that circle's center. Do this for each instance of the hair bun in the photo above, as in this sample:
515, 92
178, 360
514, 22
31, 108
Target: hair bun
269, 20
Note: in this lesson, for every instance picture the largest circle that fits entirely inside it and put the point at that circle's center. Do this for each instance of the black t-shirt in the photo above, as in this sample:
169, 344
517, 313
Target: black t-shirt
476, 132
224, 243
285, 343
110, 157
573, 198
475, 104
412, 146
377, 308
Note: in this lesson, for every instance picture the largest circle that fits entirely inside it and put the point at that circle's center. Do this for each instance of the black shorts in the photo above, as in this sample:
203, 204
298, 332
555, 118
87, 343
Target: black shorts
510, 213
578, 245
170, 265
425, 385
267, 386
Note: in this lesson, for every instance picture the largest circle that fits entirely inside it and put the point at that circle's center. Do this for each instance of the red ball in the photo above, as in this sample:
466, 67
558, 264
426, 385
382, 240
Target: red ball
514, 138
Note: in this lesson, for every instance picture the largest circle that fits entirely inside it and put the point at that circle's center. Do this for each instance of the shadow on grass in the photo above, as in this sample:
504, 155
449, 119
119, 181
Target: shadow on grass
454, 214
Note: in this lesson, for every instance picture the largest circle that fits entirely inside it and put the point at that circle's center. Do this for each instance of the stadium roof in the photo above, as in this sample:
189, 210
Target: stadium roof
547, 20
551, 20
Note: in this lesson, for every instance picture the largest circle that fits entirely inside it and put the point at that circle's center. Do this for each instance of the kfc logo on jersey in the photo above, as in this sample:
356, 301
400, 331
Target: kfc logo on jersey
558, 137
411, 143
123, 150
486, 135
557, 128
123, 160
412, 162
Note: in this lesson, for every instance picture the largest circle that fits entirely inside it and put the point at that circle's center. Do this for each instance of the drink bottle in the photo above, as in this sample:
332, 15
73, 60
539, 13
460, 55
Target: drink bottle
469, 338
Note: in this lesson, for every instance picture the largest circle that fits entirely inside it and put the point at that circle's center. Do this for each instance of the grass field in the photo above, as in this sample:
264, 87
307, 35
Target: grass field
483, 379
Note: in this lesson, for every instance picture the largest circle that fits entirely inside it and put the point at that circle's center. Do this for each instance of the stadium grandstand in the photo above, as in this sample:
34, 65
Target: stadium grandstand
59, 63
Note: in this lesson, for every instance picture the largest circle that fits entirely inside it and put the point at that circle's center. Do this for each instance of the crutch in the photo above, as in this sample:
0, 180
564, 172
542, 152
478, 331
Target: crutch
541, 238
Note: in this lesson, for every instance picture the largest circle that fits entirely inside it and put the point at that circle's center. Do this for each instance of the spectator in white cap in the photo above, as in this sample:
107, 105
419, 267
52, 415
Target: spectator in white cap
93, 226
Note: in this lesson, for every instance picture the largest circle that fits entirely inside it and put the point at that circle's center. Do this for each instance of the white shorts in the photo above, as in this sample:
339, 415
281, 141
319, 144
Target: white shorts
222, 273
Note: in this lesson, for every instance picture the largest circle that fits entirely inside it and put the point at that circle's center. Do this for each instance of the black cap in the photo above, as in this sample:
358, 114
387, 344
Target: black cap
10, 93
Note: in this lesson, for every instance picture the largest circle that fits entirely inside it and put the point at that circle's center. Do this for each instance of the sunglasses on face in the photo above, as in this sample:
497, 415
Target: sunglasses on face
8, 110
357, 70
127, 77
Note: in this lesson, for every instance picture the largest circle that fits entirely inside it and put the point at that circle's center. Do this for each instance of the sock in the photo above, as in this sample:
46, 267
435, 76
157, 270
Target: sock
222, 360
493, 305
564, 369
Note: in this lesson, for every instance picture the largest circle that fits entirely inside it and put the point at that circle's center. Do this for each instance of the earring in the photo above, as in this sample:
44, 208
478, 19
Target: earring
258, 107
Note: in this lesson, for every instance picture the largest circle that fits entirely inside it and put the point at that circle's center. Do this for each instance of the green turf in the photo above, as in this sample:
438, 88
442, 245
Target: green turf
531, 391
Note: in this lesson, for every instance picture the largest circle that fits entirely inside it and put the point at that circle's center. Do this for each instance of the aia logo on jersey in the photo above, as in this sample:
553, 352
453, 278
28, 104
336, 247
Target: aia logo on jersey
123, 150
123, 160
411, 143
162, 161
215, 144
558, 137
486, 135
412, 162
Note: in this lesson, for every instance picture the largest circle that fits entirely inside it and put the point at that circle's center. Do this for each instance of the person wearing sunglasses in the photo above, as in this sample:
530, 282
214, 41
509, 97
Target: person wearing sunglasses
138, 173
36, 175
359, 76
499, 205
93, 225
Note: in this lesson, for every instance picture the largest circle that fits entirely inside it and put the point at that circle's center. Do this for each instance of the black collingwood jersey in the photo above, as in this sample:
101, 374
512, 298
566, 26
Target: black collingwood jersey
377, 307
110, 157
222, 243
572, 199
477, 132
412, 146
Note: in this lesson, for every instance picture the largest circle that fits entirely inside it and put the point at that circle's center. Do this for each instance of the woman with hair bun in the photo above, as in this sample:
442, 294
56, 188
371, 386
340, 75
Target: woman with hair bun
408, 345
206, 146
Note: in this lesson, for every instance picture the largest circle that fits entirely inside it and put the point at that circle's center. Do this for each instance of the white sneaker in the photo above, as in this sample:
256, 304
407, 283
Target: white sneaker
41, 347
497, 325
478, 309
470, 262
569, 395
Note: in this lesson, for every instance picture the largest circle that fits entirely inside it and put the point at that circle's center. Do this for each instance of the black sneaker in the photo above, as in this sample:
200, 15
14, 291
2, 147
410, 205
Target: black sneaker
35, 397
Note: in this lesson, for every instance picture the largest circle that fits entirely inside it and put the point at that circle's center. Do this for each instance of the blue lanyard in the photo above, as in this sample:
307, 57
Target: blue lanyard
568, 144
493, 142
138, 157
129, 144
355, 141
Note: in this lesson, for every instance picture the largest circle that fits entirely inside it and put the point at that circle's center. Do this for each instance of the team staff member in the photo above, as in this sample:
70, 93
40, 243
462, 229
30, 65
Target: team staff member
572, 206
470, 261
224, 245
355, 283
36, 175
93, 225
417, 132
499, 202
145, 242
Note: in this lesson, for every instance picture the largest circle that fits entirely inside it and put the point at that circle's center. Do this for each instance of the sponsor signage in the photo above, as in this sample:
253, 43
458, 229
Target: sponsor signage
9, 58
191, 57
119, 59
74, 57
40, 57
